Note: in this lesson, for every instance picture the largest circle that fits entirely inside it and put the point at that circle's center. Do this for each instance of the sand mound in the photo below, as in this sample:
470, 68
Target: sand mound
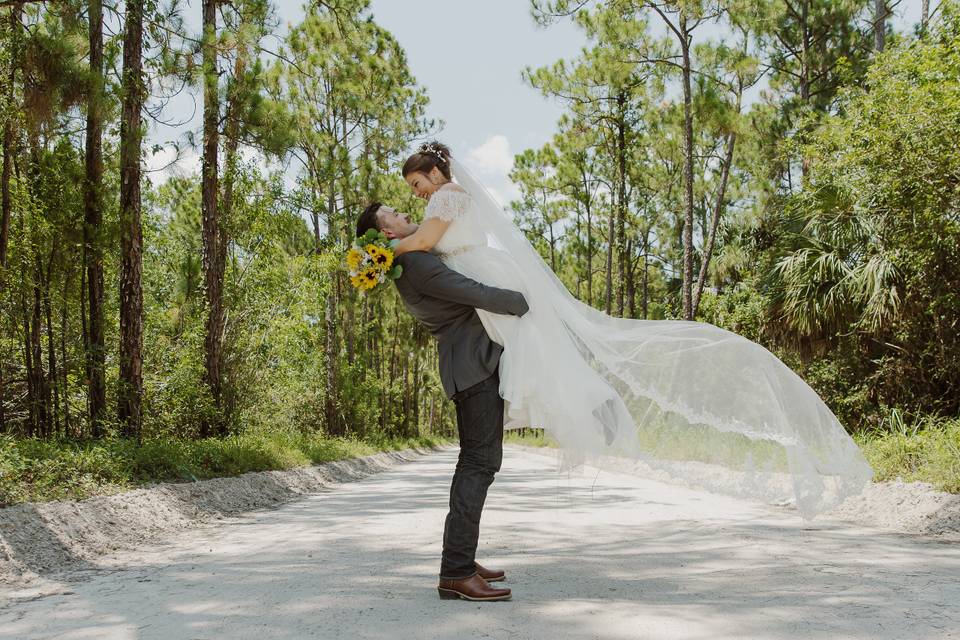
908, 507
43, 539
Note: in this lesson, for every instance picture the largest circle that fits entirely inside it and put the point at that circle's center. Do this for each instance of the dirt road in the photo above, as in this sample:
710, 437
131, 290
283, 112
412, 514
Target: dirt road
587, 556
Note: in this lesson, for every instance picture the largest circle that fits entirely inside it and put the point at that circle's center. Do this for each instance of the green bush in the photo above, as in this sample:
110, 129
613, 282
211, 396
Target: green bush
924, 451
33, 470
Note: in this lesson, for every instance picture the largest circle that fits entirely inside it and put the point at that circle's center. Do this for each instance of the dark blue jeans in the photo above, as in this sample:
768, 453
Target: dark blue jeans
480, 425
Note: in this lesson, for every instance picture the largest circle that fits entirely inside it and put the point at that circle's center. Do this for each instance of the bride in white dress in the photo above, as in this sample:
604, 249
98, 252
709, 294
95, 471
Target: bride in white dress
703, 405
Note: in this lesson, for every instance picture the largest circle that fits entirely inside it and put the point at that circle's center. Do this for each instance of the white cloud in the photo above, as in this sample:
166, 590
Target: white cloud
492, 161
493, 157
166, 162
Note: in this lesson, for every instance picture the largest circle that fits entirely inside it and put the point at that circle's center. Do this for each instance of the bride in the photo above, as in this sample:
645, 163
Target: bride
694, 402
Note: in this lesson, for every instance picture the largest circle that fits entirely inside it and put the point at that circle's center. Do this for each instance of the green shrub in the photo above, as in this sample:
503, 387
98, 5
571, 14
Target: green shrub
924, 451
34, 470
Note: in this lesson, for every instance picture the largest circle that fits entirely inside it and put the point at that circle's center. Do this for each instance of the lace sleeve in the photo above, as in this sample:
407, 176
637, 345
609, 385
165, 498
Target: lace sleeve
448, 204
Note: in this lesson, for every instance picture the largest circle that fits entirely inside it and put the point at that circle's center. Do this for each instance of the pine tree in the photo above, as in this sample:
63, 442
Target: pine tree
93, 221
129, 401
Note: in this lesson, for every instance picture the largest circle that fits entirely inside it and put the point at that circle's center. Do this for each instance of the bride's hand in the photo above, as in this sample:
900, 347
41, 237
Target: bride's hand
424, 238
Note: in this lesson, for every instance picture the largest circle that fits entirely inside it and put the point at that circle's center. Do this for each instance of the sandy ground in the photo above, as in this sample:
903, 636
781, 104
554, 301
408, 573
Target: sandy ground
588, 556
39, 541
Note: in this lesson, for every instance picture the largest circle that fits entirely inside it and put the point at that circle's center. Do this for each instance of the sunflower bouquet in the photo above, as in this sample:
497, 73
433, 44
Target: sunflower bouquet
370, 261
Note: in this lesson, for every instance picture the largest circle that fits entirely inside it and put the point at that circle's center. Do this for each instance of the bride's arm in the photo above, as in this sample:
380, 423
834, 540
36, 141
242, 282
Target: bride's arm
424, 238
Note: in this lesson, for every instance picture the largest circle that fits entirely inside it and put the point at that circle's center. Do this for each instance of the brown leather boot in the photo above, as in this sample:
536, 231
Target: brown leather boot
490, 575
472, 588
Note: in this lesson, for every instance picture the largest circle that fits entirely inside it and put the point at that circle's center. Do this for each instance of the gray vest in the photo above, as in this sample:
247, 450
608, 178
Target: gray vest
445, 301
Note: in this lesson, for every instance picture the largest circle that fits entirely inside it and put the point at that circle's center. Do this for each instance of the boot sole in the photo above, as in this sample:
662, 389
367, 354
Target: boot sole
450, 594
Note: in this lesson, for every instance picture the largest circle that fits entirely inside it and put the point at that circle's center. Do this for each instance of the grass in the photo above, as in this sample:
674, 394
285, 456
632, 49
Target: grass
528, 437
39, 470
925, 451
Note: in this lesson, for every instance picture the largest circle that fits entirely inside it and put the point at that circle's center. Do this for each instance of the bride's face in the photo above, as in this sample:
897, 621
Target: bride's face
424, 184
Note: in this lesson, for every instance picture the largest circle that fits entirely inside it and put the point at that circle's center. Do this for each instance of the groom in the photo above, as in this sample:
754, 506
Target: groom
445, 302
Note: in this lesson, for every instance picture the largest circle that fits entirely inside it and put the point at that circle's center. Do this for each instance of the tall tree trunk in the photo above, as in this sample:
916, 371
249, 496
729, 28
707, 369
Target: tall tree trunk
687, 172
5, 176
93, 221
805, 51
611, 237
879, 24
65, 382
417, 343
84, 334
718, 207
334, 424
5, 201
52, 376
42, 397
589, 255
552, 239
391, 369
232, 132
213, 276
645, 295
631, 282
131, 233
349, 331
347, 300
405, 426
579, 254
924, 13
621, 200
805, 93
28, 363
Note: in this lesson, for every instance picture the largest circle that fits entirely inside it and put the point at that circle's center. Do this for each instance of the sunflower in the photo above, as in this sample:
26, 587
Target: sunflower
382, 258
354, 258
369, 278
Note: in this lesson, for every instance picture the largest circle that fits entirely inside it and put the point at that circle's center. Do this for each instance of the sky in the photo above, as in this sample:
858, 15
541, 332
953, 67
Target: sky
469, 56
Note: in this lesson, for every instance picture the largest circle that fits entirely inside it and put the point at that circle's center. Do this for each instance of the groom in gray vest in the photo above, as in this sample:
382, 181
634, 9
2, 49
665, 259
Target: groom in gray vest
445, 302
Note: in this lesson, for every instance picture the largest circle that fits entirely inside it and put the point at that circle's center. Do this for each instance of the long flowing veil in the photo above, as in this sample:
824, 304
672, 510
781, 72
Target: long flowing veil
693, 403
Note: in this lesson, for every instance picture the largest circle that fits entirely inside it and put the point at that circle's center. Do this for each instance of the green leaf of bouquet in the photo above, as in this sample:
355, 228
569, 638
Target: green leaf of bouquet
395, 272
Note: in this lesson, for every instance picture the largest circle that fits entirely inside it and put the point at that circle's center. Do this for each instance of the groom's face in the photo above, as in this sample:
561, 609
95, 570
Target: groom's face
394, 224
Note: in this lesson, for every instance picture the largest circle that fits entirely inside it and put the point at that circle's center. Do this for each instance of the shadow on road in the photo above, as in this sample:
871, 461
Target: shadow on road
606, 557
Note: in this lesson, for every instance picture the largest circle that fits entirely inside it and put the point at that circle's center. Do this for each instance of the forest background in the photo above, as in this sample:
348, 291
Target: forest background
786, 169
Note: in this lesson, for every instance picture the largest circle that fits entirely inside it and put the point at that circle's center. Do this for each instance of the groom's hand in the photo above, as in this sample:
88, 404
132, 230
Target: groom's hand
521, 306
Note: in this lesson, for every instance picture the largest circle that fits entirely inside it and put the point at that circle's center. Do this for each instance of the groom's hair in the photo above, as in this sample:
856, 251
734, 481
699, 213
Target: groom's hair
368, 219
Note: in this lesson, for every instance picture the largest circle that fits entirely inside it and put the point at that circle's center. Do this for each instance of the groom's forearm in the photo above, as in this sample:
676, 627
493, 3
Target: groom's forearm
456, 287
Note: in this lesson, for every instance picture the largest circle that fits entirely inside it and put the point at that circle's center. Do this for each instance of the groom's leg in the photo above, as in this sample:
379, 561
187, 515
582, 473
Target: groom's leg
480, 424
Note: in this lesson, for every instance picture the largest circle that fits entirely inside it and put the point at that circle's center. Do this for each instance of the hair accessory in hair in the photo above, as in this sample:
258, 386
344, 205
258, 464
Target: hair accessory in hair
429, 148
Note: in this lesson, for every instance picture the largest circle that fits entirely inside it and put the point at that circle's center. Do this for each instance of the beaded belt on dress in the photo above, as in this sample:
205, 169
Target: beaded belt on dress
457, 250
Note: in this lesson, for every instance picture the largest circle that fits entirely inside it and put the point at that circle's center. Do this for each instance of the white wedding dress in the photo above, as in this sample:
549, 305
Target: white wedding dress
693, 402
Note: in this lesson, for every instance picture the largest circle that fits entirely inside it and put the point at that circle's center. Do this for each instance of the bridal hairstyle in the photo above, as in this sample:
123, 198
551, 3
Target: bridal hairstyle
429, 155
368, 219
